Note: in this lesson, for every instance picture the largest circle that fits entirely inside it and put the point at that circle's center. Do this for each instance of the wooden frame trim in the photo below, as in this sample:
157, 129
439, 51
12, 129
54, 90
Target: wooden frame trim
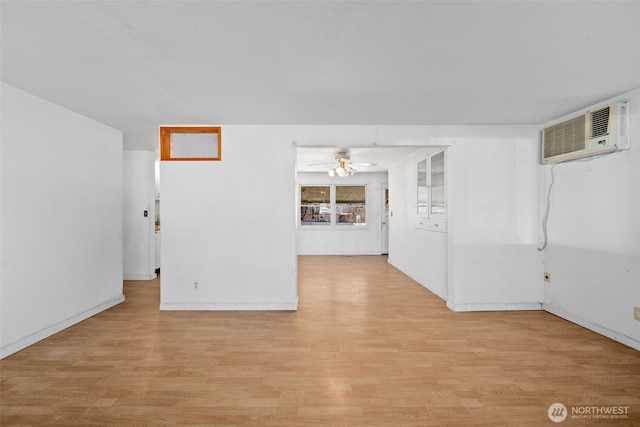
165, 141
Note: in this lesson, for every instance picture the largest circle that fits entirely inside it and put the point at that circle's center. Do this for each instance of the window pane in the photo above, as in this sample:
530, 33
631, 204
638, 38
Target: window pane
194, 145
315, 205
351, 205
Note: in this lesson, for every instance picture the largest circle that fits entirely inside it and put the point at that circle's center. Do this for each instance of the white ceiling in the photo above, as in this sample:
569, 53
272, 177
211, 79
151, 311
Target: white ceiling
137, 64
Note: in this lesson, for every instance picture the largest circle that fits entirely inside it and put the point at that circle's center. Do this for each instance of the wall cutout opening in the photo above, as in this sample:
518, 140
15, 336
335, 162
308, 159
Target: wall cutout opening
202, 143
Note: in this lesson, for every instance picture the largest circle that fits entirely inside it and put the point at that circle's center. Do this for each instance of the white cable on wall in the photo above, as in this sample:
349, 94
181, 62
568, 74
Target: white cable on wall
545, 219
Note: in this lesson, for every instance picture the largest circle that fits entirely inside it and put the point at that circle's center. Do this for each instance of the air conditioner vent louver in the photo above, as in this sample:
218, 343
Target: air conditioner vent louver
595, 132
565, 137
599, 123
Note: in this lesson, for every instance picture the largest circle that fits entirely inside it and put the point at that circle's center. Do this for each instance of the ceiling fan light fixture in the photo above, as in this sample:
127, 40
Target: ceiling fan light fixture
344, 166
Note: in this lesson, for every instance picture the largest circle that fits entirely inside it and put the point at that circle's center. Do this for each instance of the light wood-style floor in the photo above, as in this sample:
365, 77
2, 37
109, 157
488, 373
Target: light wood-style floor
367, 347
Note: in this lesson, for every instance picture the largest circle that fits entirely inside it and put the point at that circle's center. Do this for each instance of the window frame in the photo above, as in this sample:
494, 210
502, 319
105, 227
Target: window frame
333, 224
165, 141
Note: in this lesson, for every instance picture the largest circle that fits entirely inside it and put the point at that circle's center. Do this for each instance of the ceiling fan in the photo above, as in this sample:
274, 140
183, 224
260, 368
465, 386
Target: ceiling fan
343, 166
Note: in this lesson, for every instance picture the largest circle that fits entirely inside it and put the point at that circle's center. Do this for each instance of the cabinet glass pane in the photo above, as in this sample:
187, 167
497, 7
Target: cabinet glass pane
437, 184
423, 190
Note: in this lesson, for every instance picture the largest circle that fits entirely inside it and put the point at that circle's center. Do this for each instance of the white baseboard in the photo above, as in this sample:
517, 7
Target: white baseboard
139, 276
622, 338
525, 306
437, 292
339, 253
14, 347
204, 306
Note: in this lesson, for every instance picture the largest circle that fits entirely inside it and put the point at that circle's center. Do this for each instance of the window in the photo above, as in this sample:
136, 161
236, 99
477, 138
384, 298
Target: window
190, 143
431, 193
333, 205
315, 205
350, 205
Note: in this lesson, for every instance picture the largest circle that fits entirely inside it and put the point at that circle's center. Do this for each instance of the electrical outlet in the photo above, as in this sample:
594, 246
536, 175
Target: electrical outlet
547, 277
195, 284
636, 313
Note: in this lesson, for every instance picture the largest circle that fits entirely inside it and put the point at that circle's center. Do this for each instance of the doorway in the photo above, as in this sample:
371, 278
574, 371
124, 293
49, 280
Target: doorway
384, 233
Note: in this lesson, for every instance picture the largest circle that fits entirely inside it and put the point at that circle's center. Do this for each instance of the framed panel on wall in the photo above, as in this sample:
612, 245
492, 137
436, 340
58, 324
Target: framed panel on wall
203, 143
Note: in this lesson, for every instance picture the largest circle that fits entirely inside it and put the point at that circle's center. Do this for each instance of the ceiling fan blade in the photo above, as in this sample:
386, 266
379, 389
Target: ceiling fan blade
322, 164
363, 164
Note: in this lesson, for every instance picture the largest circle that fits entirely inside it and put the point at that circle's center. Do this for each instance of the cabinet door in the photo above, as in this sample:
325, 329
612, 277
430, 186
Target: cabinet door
437, 199
423, 188
432, 193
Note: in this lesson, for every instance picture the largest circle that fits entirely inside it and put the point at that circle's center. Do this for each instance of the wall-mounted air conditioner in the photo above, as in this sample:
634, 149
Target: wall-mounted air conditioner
599, 131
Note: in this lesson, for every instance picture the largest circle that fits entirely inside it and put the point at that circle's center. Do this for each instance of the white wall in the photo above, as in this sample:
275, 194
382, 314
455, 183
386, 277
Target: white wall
231, 225
421, 254
139, 231
61, 219
487, 260
593, 253
494, 261
367, 240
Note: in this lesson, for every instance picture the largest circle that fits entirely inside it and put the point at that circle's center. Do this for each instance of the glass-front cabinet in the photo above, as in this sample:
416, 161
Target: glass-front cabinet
432, 192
